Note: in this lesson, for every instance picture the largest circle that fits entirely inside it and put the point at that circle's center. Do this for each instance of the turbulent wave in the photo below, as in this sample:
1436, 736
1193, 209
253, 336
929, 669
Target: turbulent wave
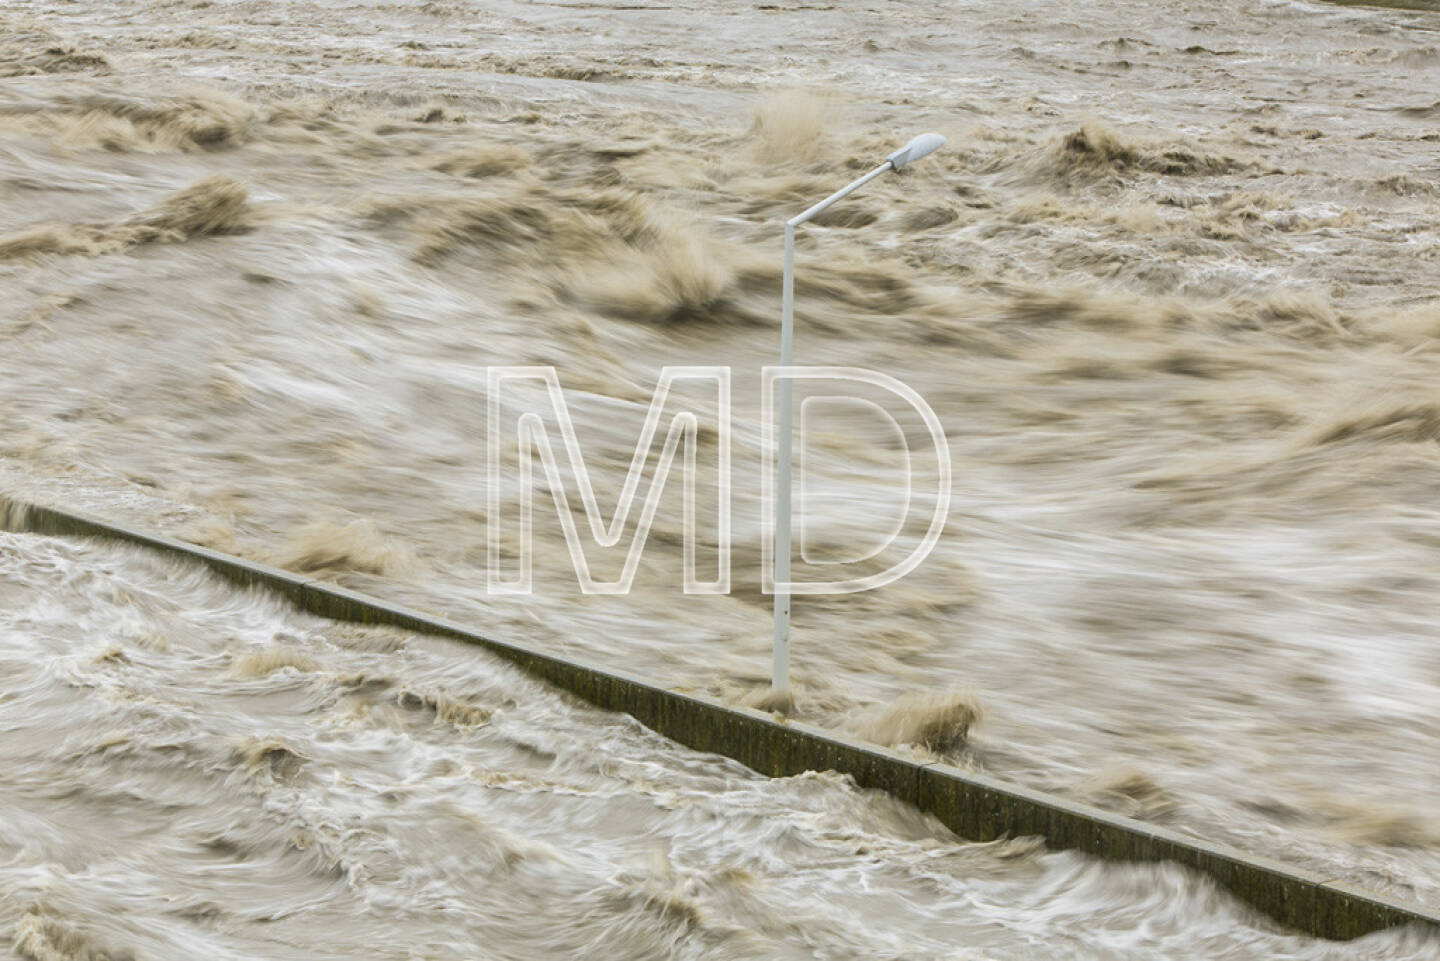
935, 721
1098, 150
356, 545
118, 121
214, 205
39, 52
610, 250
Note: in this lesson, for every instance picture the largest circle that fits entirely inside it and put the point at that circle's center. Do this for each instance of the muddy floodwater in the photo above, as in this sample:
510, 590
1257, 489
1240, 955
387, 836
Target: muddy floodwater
1172, 289
196, 772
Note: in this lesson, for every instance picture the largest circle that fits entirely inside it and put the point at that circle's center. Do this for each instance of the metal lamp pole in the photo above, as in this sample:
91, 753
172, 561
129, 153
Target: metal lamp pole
920, 146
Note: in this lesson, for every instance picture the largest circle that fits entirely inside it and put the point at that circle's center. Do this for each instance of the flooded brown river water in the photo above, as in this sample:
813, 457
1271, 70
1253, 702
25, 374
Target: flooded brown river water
194, 772
1171, 289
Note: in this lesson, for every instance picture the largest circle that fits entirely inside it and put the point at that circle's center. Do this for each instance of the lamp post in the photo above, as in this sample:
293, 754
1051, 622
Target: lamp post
920, 146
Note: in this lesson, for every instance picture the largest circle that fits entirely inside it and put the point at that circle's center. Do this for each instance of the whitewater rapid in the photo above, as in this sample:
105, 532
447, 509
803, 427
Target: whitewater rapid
195, 771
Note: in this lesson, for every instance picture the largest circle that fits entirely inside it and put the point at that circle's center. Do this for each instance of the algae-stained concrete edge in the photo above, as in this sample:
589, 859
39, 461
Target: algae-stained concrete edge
976, 807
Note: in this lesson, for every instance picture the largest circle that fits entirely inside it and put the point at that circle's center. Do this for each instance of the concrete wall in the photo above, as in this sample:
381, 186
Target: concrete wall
973, 806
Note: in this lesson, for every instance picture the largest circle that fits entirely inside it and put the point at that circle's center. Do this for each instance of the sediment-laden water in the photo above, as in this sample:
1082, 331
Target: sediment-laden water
196, 772
1171, 289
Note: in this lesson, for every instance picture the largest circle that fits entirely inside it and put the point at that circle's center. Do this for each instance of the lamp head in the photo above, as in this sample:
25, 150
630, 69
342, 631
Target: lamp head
924, 144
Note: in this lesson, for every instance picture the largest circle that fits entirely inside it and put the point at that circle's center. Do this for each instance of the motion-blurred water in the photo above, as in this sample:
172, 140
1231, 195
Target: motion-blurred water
196, 772
1170, 288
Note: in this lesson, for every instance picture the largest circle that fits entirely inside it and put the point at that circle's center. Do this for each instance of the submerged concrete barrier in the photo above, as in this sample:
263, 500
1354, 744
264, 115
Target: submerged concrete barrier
974, 806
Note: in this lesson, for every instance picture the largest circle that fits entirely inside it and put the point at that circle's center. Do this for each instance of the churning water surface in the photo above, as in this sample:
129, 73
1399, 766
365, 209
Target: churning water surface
1170, 289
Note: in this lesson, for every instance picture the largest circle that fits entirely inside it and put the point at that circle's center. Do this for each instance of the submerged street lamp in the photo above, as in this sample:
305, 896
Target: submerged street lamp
919, 147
